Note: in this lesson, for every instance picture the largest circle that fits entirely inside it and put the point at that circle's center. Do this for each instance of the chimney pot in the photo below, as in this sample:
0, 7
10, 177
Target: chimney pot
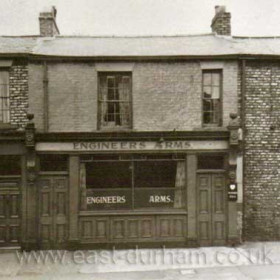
220, 9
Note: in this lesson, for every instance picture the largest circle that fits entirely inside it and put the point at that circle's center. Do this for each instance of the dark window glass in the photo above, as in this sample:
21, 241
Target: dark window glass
210, 162
212, 84
108, 175
131, 184
53, 162
90, 158
159, 174
159, 156
10, 165
159, 184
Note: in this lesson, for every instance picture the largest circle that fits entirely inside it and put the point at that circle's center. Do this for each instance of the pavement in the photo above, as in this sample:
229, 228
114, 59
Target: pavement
249, 261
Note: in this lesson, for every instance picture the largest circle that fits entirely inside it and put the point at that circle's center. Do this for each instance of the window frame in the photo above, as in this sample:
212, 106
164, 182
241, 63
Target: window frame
220, 121
132, 160
5, 115
100, 101
224, 161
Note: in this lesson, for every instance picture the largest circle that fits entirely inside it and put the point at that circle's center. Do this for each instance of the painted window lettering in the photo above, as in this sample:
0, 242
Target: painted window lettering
160, 199
105, 199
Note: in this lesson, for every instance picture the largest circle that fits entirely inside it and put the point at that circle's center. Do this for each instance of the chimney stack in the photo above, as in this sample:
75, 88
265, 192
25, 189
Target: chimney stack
221, 21
48, 27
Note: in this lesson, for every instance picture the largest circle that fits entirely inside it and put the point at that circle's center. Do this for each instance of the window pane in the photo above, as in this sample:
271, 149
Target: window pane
160, 184
53, 162
108, 199
110, 82
207, 117
207, 92
216, 79
108, 175
154, 198
210, 162
4, 97
155, 174
216, 110
207, 79
207, 105
102, 179
216, 92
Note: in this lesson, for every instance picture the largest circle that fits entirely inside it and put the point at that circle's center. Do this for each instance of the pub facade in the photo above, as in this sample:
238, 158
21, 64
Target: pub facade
121, 141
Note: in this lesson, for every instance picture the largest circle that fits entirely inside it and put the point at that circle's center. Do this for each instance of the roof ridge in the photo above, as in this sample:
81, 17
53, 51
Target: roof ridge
20, 36
135, 36
256, 37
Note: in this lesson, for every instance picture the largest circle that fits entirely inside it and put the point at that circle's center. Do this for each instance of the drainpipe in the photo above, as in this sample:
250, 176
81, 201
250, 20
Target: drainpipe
46, 97
243, 92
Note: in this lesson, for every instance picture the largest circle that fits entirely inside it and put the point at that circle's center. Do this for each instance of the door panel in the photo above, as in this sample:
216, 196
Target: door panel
219, 206
204, 209
211, 209
53, 211
9, 216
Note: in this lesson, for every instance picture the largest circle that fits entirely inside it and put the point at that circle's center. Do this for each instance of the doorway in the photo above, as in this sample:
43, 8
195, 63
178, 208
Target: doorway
211, 209
53, 211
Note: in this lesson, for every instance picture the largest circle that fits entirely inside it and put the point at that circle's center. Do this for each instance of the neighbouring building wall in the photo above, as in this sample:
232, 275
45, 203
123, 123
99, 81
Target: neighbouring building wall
165, 96
262, 158
18, 89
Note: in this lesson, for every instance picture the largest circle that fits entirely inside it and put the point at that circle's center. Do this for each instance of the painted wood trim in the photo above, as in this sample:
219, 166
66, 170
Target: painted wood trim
191, 196
73, 197
23, 188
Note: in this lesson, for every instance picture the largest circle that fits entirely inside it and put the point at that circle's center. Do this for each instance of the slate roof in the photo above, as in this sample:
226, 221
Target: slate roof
146, 46
17, 45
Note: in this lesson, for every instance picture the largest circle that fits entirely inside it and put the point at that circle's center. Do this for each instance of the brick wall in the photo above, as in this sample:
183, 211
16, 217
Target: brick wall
262, 158
72, 97
166, 96
18, 88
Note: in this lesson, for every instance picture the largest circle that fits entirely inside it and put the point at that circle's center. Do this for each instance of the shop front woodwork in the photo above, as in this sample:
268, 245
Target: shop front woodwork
107, 193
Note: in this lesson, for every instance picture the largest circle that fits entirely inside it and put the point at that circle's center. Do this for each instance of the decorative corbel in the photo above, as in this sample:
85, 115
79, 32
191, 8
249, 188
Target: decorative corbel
30, 148
233, 128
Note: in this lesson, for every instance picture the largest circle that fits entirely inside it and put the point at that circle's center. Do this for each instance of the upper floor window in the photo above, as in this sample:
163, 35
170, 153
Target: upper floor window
4, 97
114, 100
212, 89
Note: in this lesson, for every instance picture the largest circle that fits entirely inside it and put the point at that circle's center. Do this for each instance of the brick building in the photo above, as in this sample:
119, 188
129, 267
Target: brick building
138, 140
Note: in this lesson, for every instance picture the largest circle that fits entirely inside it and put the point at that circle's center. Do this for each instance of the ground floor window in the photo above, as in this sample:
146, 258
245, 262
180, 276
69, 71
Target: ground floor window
52, 163
10, 165
132, 182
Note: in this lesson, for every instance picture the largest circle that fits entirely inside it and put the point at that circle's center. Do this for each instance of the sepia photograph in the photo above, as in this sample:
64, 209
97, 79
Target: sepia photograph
140, 139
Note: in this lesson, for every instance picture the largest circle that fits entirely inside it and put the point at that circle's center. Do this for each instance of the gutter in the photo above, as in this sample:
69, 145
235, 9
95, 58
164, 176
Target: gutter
39, 57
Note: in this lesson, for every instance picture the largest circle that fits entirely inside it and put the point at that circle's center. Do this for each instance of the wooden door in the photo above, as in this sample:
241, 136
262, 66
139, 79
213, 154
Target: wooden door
211, 209
9, 216
53, 211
